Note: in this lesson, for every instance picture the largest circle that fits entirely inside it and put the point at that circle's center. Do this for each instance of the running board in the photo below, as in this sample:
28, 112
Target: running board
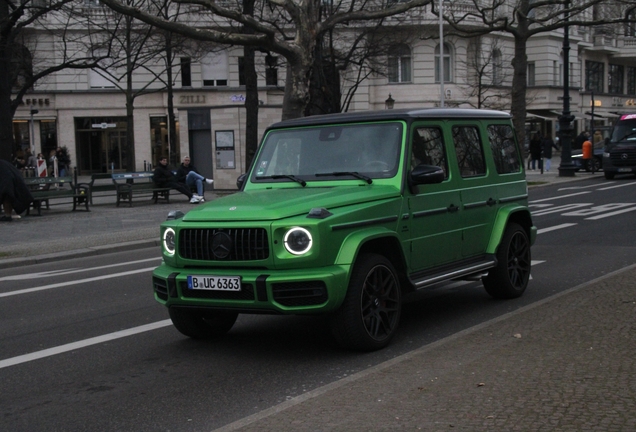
434, 276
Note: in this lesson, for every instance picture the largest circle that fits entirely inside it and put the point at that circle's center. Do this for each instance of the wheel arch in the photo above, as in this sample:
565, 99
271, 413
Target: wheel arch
380, 241
517, 214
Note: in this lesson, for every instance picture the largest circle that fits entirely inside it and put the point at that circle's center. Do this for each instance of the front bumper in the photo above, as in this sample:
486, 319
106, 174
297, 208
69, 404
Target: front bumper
263, 291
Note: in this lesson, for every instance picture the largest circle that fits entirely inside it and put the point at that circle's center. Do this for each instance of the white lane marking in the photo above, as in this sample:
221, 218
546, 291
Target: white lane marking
71, 271
559, 197
618, 186
582, 187
82, 344
76, 282
611, 214
554, 228
560, 208
599, 209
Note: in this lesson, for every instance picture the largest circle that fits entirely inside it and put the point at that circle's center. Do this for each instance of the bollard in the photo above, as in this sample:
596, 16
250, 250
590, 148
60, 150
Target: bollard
587, 154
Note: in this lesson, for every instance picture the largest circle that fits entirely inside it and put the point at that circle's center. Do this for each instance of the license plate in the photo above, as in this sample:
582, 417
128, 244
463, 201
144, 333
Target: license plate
624, 170
214, 283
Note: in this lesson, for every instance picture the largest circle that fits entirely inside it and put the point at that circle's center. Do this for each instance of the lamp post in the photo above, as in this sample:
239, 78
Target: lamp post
566, 169
441, 54
389, 103
33, 111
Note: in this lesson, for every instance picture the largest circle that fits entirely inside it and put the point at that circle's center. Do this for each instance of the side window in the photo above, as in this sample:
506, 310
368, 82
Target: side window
469, 151
428, 148
504, 150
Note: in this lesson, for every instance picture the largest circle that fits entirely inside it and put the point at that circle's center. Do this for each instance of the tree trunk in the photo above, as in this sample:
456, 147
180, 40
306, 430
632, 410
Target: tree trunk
251, 93
518, 92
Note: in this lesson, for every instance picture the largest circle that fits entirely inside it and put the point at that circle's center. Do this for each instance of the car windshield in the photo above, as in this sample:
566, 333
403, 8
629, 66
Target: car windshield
353, 151
624, 130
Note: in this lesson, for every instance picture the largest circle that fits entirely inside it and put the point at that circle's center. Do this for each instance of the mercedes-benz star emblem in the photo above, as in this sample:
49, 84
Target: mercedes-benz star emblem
624, 156
221, 245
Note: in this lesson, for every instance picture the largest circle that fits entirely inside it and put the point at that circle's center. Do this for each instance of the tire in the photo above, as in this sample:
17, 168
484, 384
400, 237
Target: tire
510, 278
200, 324
609, 175
370, 313
593, 164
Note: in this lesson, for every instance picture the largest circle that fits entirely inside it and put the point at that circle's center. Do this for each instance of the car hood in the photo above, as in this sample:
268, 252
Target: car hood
273, 204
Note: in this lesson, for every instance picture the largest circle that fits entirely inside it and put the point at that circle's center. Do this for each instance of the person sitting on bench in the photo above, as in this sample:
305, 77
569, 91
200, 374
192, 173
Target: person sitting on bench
189, 175
163, 177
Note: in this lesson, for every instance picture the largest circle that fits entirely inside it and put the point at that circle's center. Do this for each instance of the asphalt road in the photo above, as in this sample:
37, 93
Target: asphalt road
83, 345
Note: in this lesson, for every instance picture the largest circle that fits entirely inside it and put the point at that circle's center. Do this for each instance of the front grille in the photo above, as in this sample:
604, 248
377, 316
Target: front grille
624, 157
300, 293
246, 293
161, 288
209, 244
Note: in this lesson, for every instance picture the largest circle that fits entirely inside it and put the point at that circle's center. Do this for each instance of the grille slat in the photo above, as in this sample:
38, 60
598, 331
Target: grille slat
243, 244
618, 159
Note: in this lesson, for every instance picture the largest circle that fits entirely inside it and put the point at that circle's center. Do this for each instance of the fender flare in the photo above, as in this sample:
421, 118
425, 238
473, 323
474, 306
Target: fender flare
353, 242
518, 213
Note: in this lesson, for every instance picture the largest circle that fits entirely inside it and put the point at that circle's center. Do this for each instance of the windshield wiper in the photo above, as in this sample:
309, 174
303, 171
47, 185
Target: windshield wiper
346, 173
302, 182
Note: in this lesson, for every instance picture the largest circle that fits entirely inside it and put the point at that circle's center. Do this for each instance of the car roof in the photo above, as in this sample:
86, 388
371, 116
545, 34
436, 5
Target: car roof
395, 114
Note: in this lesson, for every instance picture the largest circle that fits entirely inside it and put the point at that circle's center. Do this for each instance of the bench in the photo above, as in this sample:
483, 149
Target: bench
100, 182
44, 189
138, 183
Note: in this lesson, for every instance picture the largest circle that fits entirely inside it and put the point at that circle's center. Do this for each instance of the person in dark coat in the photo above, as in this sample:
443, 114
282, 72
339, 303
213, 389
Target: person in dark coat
14, 193
164, 178
548, 145
535, 149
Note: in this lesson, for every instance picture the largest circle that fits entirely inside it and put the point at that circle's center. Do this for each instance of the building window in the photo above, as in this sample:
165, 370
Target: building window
631, 81
615, 79
98, 78
531, 75
594, 76
400, 64
497, 68
186, 72
215, 69
241, 67
448, 64
271, 72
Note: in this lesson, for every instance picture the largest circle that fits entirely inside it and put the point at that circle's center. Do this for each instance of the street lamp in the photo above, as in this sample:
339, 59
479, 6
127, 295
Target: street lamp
389, 103
566, 169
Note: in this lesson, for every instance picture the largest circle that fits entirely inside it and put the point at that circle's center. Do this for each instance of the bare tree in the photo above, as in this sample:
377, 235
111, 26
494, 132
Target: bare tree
522, 19
23, 25
292, 32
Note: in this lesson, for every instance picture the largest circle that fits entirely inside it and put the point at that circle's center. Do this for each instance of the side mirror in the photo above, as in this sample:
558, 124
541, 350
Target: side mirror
426, 174
240, 181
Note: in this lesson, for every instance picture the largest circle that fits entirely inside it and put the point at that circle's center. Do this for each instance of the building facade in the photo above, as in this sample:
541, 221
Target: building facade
85, 109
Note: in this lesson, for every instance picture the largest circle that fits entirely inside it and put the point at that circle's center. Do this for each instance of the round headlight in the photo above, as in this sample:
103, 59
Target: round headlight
298, 241
168, 241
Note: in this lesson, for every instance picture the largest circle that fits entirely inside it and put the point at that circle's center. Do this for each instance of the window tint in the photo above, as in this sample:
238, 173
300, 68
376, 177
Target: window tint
504, 150
470, 155
428, 148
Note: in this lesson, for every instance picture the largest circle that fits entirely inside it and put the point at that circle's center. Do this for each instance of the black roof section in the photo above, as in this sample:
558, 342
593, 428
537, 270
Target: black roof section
394, 114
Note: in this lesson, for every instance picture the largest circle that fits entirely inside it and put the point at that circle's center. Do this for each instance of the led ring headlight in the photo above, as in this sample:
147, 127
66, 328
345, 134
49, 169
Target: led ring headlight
169, 241
298, 241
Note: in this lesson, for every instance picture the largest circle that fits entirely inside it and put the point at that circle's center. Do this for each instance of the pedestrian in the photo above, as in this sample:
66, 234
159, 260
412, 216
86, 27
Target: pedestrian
63, 161
188, 174
163, 177
598, 137
548, 145
535, 149
580, 139
14, 193
53, 167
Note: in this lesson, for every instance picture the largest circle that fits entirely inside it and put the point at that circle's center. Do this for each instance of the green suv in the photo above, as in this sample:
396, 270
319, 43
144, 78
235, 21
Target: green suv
345, 214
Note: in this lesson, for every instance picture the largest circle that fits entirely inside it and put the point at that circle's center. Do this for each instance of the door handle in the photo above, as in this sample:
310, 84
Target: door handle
491, 202
452, 208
